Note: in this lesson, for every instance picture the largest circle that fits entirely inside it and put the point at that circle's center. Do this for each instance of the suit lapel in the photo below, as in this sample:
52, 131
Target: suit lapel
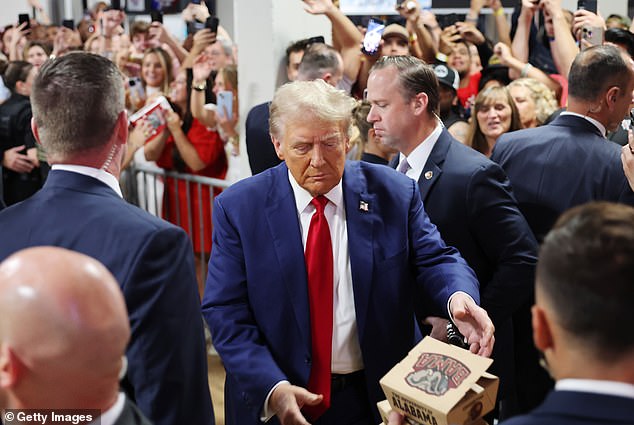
359, 219
433, 167
281, 215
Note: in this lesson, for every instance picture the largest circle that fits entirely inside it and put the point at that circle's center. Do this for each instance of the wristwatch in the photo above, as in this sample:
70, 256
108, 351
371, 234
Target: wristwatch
200, 87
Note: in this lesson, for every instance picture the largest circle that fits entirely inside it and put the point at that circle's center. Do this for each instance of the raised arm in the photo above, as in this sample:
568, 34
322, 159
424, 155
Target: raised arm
344, 31
562, 43
519, 45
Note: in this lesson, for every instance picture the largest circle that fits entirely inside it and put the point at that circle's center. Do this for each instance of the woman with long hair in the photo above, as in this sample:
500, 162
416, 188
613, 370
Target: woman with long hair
494, 113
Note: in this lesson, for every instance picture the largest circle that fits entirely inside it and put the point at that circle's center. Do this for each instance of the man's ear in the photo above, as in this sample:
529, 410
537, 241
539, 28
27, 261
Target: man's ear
542, 329
10, 367
278, 147
419, 103
611, 96
121, 128
36, 132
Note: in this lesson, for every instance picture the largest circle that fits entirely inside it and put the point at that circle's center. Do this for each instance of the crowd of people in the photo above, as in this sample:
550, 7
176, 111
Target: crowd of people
394, 194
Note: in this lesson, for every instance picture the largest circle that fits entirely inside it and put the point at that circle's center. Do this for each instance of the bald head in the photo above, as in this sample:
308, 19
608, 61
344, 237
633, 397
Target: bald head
63, 330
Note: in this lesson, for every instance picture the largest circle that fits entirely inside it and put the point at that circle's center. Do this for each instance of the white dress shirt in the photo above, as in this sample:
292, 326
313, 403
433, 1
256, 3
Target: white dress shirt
99, 174
346, 351
418, 157
613, 388
110, 416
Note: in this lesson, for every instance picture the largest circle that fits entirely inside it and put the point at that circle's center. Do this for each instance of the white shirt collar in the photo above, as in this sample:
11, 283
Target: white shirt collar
101, 175
110, 416
418, 157
596, 123
619, 389
303, 197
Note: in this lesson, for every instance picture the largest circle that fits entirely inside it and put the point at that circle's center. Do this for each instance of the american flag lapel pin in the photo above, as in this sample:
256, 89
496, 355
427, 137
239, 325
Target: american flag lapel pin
363, 206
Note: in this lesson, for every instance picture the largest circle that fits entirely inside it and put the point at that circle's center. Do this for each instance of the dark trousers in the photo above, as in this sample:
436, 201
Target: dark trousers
349, 403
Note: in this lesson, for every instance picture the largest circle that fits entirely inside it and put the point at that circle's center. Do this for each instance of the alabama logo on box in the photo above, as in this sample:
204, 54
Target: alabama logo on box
436, 373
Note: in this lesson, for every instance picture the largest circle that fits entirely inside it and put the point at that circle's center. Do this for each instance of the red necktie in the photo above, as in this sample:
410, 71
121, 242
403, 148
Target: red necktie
319, 267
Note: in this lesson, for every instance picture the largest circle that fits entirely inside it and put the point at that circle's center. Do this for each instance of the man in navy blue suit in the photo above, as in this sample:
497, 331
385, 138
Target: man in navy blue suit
581, 317
80, 119
385, 257
465, 194
567, 163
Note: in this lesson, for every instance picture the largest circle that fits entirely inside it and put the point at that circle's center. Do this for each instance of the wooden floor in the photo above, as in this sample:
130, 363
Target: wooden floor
216, 386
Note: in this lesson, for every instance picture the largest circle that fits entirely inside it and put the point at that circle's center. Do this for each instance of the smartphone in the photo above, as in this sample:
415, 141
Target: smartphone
212, 24
448, 20
372, 38
68, 23
24, 17
593, 35
136, 88
316, 39
225, 101
156, 16
590, 5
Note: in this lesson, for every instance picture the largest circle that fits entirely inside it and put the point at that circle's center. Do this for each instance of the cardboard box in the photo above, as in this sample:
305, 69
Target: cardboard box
385, 409
441, 384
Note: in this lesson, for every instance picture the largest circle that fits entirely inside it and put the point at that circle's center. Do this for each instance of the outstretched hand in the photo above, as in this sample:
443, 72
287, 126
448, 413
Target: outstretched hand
287, 400
474, 323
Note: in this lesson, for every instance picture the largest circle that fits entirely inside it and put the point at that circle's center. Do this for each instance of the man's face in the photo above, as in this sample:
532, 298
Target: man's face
315, 153
624, 100
394, 46
391, 114
25, 87
447, 97
294, 60
460, 59
140, 42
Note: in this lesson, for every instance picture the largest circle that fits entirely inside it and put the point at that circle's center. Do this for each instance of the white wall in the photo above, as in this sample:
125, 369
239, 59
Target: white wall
10, 9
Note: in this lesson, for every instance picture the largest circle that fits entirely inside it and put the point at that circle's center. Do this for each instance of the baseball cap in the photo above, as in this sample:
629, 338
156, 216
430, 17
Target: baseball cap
396, 30
446, 75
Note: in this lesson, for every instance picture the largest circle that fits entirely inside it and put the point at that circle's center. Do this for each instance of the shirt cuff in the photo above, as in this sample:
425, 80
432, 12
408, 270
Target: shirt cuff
449, 303
266, 414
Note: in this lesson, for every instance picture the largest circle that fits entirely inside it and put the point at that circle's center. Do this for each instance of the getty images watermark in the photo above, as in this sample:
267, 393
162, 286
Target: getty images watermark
51, 416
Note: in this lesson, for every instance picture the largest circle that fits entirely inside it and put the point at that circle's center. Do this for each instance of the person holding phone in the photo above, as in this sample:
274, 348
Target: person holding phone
187, 146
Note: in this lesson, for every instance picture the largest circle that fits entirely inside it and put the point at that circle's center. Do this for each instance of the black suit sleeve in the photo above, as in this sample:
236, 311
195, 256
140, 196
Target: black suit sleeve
167, 360
506, 240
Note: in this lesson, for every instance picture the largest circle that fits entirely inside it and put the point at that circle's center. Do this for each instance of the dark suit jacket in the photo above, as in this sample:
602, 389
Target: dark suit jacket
558, 166
131, 415
260, 148
152, 261
578, 408
470, 199
256, 300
